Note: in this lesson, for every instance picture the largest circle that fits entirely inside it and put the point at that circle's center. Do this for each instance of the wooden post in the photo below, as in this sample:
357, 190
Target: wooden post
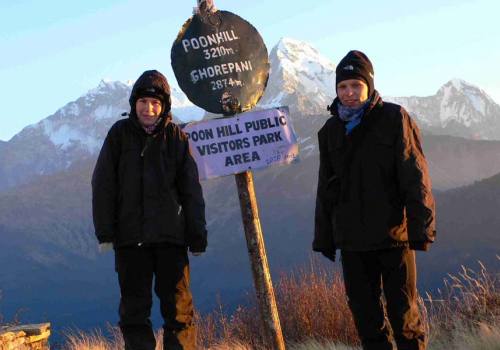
251, 224
258, 260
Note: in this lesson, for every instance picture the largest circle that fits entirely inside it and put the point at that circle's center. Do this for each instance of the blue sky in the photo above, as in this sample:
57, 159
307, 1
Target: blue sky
52, 52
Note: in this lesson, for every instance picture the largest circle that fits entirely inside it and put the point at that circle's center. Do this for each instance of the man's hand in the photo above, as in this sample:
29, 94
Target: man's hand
329, 255
422, 246
105, 247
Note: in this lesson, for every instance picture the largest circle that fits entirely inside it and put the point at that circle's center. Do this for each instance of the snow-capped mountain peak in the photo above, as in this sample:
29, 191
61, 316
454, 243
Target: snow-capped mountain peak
476, 96
179, 99
297, 55
299, 72
457, 83
459, 108
105, 86
79, 127
464, 103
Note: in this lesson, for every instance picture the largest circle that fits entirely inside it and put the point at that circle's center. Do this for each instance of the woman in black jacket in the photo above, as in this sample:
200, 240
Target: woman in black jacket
148, 203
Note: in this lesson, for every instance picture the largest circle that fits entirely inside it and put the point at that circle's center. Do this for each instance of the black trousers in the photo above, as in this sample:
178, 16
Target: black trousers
393, 271
168, 265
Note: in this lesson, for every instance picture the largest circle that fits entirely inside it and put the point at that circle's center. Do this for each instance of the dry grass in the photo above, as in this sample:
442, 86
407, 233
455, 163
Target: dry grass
465, 315
481, 336
78, 340
16, 319
313, 300
315, 306
469, 303
315, 345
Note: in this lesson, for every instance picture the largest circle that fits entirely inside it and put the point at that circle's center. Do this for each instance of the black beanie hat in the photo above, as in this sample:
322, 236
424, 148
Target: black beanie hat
355, 65
151, 83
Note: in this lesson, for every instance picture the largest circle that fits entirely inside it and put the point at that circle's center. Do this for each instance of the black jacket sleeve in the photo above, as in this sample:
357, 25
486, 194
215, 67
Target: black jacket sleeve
323, 232
415, 185
191, 198
105, 189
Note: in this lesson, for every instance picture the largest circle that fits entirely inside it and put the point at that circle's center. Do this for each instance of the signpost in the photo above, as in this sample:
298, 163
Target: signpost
221, 63
252, 140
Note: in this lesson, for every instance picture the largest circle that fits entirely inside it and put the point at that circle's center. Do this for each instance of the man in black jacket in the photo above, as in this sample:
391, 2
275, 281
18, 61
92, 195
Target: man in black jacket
374, 203
148, 203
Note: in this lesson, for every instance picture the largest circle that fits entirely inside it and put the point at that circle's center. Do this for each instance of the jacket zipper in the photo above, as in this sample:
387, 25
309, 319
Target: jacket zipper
146, 145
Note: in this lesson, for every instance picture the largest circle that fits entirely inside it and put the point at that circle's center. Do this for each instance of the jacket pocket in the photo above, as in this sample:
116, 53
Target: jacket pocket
333, 188
381, 156
174, 224
383, 145
168, 168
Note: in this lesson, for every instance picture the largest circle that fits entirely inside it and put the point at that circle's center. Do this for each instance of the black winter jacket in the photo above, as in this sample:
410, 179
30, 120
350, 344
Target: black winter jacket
145, 188
374, 190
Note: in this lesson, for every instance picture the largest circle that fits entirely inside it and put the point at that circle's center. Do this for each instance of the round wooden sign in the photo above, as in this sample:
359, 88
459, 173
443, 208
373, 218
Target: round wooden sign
220, 62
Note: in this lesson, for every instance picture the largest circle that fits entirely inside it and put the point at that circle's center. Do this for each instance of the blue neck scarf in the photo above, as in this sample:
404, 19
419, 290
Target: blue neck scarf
351, 116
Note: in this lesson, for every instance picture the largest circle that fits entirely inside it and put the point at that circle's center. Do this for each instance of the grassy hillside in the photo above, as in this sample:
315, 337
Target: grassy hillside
314, 315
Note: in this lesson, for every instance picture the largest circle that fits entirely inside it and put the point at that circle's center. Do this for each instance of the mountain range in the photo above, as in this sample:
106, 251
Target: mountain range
458, 109
49, 253
300, 78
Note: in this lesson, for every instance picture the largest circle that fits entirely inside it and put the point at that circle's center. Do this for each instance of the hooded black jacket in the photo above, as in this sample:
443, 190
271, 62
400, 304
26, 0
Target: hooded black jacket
145, 188
374, 190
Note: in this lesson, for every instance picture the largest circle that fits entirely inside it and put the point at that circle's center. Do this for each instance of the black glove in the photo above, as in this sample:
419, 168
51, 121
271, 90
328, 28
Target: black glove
329, 255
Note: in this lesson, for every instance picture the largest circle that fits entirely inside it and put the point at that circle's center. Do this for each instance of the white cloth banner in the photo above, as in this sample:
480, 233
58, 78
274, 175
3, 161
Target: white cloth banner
251, 140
